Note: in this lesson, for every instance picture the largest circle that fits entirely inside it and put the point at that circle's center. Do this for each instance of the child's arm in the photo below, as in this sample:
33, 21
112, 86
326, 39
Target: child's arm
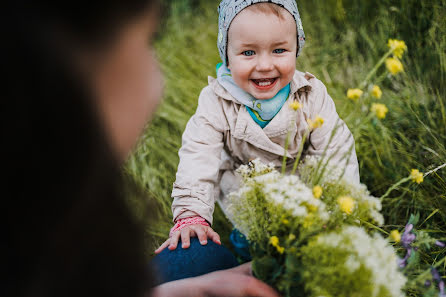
341, 148
196, 179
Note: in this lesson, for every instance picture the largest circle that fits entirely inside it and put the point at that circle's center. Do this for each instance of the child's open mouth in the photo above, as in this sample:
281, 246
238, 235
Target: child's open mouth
264, 83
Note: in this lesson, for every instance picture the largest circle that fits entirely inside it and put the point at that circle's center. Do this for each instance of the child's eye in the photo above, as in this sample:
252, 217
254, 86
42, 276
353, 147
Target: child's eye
279, 51
248, 53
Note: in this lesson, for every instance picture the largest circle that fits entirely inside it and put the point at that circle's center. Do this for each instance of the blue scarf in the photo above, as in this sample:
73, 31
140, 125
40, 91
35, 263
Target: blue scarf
261, 111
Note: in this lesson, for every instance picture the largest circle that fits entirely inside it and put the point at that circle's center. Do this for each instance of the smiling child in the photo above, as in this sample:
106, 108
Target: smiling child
243, 114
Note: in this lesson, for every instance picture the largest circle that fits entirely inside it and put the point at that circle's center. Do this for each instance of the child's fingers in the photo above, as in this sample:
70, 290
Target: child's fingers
185, 237
163, 246
201, 234
174, 240
213, 235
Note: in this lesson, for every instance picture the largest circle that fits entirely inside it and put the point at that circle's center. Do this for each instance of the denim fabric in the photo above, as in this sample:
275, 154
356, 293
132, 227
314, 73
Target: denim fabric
241, 245
194, 261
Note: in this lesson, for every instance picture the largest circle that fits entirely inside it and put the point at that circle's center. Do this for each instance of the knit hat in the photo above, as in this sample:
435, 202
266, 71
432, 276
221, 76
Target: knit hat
228, 9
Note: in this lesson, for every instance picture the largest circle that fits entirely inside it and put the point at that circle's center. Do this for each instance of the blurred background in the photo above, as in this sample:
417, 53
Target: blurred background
345, 39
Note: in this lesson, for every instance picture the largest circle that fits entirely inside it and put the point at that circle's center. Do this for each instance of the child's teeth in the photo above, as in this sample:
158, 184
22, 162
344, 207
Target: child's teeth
264, 83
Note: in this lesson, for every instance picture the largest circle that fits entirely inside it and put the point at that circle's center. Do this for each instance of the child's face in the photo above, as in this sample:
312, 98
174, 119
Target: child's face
262, 52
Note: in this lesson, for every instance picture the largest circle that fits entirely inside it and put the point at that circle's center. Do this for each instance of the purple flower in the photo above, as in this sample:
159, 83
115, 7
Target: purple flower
407, 238
427, 283
435, 274
440, 244
403, 262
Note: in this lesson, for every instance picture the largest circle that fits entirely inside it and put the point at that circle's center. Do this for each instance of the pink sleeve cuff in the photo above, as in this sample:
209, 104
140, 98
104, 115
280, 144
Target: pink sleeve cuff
181, 223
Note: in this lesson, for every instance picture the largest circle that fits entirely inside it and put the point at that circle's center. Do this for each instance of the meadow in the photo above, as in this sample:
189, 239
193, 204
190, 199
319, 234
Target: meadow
344, 40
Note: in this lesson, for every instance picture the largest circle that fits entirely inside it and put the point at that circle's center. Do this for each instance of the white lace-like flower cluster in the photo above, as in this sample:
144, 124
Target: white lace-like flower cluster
290, 192
373, 253
254, 168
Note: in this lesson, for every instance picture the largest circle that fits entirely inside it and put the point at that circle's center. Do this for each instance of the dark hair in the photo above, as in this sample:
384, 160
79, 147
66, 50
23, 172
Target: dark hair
67, 230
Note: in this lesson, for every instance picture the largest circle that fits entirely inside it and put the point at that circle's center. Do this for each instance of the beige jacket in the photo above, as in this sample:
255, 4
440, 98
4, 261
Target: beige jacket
221, 136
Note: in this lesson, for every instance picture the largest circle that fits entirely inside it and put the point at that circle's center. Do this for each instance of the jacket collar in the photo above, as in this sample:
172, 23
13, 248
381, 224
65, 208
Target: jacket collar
298, 83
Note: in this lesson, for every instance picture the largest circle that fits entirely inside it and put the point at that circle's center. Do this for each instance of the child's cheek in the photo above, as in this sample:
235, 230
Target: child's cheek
288, 68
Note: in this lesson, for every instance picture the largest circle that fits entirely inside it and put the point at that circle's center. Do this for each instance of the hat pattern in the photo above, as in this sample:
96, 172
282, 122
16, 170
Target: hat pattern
228, 9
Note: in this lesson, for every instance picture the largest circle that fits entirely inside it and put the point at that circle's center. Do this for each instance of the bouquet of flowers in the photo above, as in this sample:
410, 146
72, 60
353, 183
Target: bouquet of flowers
314, 240
314, 233
323, 239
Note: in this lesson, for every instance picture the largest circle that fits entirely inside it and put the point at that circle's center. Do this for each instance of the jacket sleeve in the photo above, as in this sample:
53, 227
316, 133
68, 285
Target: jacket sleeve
334, 133
197, 174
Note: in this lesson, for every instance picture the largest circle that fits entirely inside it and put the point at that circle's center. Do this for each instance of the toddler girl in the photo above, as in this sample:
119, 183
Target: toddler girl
244, 114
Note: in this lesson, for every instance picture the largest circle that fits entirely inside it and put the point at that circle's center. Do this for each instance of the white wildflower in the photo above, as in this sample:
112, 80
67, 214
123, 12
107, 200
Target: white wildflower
374, 253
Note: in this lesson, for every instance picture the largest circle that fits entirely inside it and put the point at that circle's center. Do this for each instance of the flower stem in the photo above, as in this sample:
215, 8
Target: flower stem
299, 153
394, 187
427, 271
434, 170
370, 74
287, 141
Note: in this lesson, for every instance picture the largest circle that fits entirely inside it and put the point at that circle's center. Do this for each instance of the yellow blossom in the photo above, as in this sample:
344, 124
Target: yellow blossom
292, 237
394, 65
395, 236
274, 241
397, 46
317, 192
285, 221
346, 203
311, 207
416, 176
308, 222
295, 105
379, 110
316, 123
376, 92
354, 94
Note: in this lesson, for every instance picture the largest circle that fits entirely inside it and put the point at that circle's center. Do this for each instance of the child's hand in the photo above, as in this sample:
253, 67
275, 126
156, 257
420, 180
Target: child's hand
202, 232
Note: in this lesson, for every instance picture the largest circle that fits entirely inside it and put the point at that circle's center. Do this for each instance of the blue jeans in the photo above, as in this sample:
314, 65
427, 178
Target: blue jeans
194, 261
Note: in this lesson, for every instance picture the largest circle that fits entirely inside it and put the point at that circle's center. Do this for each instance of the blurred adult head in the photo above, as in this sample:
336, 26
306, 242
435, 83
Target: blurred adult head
80, 81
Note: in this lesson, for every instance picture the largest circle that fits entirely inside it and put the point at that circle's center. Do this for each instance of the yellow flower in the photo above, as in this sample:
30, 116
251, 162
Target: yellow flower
274, 240
295, 105
416, 176
285, 221
395, 236
311, 207
379, 110
376, 92
354, 94
397, 46
346, 203
316, 123
394, 65
292, 237
317, 192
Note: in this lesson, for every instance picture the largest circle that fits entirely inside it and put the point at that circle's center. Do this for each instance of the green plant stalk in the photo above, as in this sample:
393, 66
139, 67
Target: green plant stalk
408, 178
370, 74
287, 142
299, 153
394, 187
427, 271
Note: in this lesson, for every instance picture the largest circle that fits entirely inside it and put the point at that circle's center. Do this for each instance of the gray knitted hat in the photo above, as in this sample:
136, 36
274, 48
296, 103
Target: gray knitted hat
228, 9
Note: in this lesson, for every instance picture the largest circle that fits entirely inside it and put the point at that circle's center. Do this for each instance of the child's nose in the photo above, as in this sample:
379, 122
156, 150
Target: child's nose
265, 63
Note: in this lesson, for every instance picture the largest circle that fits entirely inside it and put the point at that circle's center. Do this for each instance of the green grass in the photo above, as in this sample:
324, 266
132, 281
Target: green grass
345, 38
